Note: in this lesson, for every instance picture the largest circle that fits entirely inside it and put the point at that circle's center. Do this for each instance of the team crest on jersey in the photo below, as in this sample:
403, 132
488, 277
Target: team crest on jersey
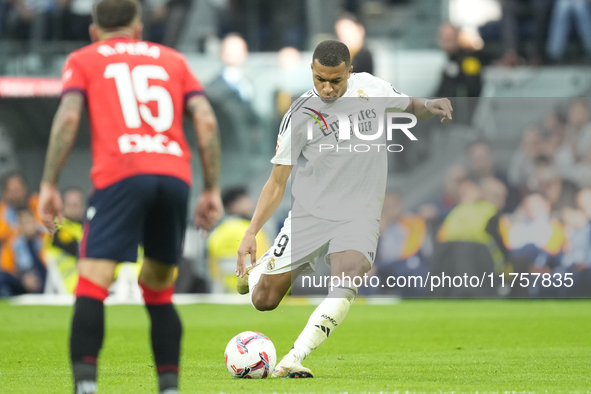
271, 264
362, 96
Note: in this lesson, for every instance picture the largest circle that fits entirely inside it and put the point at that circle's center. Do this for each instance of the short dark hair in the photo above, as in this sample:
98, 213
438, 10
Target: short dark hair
331, 53
115, 14
232, 195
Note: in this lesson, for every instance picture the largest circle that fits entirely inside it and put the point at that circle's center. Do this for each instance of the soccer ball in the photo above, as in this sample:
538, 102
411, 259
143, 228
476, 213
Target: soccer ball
250, 355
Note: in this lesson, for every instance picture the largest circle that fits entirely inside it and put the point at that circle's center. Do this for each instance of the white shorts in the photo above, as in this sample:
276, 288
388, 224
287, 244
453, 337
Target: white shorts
304, 238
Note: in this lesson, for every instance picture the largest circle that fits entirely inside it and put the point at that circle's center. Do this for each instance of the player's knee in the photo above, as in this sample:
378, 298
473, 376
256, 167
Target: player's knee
156, 275
265, 303
101, 272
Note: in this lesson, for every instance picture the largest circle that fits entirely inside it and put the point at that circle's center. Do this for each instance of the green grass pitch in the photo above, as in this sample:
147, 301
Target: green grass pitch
415, 346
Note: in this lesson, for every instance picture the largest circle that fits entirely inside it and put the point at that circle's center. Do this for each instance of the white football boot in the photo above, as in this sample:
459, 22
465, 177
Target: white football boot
288, 367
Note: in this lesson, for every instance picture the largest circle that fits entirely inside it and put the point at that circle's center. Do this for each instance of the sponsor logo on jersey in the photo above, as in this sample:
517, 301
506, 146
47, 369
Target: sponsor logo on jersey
136, 143
361, 125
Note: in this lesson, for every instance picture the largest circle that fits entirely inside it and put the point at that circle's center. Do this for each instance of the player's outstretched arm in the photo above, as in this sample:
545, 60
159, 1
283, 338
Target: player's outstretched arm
268, 202
209, 207
62, 137
425, 109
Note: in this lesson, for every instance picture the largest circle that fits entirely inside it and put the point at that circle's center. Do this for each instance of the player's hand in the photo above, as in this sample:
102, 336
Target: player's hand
50, 206
441, 107
209, 209
248, 246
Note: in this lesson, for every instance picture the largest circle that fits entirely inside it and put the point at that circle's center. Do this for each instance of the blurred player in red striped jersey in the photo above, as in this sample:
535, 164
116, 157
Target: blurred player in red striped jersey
136, 93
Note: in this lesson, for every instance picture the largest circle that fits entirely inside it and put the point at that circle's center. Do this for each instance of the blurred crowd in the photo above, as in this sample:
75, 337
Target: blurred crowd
26, 250
532, 32
528, 216
68, 20
532, 218
538, 32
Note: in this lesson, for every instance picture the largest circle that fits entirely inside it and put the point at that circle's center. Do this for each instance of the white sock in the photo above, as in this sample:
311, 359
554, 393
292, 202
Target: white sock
324, 320
253, 279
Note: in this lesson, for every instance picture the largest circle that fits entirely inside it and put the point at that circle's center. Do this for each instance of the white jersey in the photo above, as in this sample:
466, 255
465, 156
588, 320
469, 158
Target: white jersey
340, 183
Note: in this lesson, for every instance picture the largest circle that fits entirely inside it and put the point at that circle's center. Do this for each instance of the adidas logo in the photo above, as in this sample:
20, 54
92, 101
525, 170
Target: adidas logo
325, 330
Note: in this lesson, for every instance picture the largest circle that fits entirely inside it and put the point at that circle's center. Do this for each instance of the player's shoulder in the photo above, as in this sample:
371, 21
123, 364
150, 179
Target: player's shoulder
369, 81
299, 102
310, 93
107, 49
83, 52
362, 77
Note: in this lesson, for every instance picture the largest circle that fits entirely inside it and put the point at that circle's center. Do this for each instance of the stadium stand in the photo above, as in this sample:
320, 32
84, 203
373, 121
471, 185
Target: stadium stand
525, 130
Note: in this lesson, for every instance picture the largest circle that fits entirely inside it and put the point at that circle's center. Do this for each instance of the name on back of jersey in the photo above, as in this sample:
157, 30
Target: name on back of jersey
140, 48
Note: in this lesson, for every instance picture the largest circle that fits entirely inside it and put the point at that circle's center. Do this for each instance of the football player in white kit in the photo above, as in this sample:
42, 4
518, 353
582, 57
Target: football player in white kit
338, 198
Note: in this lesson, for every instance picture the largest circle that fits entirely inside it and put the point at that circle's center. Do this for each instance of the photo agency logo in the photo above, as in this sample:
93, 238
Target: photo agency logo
366, 125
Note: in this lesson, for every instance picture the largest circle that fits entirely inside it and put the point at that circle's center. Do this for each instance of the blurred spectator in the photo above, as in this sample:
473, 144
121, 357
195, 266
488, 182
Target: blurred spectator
289, 77
579, 129
439, 209
14, 197
400, 251
558, 192
522, 165
481, 164
352, 33
470, 241
269, 25
28, 19
577, 258
8, 162
564, 14
165, 19
577, 230
61, 249
494, 191
462, 74
282, 23
476, 219
21, 265
290, 62
554, 132
224, 241
514, 13
231, 95
480, 160
77, 17
573, 155
535, 239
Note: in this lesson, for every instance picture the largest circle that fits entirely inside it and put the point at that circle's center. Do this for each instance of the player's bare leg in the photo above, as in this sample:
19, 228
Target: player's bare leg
267, 291
86, 340
157, 283
328, 315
